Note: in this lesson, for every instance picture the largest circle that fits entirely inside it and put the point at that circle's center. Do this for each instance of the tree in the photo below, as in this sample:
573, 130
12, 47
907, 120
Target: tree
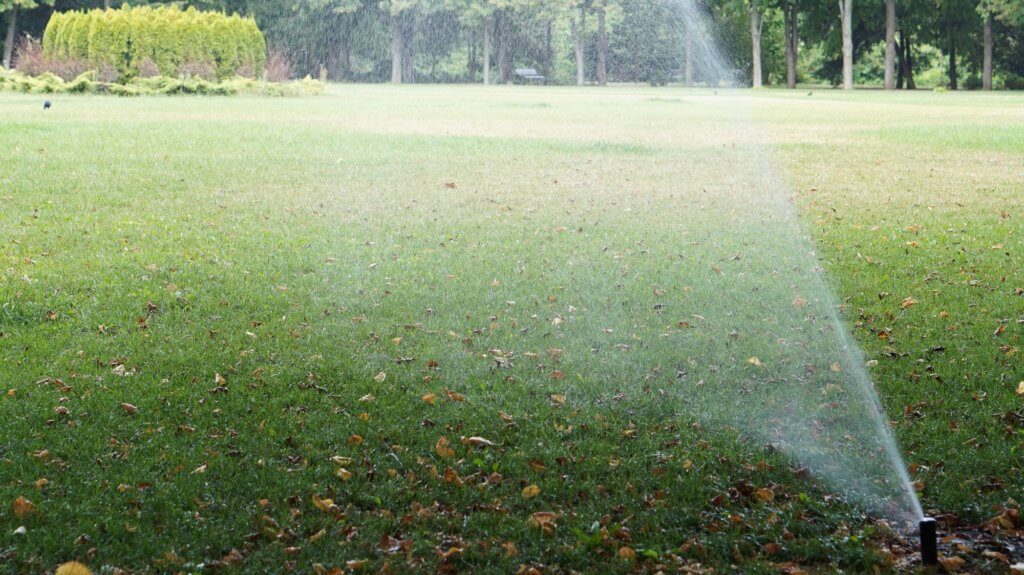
11, 8
756, 11
791, 32
846, 17
890, 44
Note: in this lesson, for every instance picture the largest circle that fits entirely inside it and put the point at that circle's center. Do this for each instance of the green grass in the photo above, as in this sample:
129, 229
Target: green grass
448, 238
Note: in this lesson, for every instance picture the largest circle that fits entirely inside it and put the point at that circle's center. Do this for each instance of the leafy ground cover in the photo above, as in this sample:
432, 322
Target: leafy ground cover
466, 329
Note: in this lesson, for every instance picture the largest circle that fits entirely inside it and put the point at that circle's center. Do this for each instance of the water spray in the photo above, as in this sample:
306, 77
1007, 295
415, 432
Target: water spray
929, 542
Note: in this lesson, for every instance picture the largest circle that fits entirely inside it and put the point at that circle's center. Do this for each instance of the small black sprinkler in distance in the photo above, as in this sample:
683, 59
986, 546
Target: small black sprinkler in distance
929, 542
47, 105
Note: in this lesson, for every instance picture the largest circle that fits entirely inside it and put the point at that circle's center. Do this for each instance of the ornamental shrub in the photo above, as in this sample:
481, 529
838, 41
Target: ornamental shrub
178, 43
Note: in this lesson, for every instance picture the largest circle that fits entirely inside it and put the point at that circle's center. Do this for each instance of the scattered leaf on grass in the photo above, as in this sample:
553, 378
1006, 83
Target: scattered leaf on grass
531, 491
343, 474
23, 507
380, 377
756, 362
952, 563
477, 441
545, 520
129, 408
442, 448
908, 303
73, 568
429, 398
627, 553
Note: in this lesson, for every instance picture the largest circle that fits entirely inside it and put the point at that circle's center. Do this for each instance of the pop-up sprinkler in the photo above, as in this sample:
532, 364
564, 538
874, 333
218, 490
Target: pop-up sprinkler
929, 541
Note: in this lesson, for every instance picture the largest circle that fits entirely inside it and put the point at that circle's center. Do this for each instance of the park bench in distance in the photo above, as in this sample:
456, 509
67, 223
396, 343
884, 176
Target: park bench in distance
530, 75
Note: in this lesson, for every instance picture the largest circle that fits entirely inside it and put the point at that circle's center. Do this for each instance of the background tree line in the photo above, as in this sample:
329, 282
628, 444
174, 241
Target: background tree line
890, 43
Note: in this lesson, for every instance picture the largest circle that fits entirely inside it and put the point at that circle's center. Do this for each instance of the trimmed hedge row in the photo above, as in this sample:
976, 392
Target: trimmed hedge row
88, 84
164, 41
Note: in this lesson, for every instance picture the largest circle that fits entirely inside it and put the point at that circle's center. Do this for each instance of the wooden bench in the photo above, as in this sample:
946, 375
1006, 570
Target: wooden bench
530, 75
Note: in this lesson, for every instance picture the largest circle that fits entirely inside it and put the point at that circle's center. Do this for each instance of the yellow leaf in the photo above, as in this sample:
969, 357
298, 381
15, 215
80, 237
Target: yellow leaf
908, 303
380, 377
324, 505
343, 474
531, 491
219, 380
429, 398
366, 398
73, 568
23, 507
765, 495
1020, 389
627, 553
756, 362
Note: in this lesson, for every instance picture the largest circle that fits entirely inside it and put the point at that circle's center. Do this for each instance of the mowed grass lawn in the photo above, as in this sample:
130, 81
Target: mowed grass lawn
272, 334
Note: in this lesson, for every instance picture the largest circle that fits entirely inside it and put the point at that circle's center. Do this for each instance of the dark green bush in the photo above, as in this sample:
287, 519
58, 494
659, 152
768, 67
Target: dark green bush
179, 43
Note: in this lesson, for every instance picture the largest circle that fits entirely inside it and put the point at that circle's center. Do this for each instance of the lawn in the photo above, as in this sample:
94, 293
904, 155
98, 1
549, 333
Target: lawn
467, 329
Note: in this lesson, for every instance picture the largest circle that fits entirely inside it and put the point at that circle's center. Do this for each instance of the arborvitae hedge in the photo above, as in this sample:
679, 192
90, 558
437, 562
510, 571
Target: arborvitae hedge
176, 42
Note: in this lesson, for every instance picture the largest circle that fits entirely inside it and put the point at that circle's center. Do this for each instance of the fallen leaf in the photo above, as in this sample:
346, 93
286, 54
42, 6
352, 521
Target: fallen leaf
23, 507
442, 448
380, 377
908, 303
952, 563
765, 495
325, 505
1020, 389
219, 380
366, 398
129, 408
479, 442
627, 553
429, 398
72, 568
545, 520
199, 470
756, 362
531, 491
343, 474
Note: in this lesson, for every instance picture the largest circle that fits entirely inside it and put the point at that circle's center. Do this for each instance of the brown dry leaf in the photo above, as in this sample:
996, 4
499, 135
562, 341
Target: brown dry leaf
429, 398
343, 474
442, 448
531, 491
367, 398
952, 564
557, 399
356, 564
908, 303
234, 557
627, 553
765, 495
72, 568
505, 417
380, 377
355, 440
41, 483
545, 520
756, 362
199, 470
477, 442
457, 397
557, 375
23, 507
317, 536
1020, 389
129, 408
799, 303
219, 380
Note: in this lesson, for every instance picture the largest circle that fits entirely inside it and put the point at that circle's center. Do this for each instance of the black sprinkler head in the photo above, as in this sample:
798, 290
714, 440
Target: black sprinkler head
929, 541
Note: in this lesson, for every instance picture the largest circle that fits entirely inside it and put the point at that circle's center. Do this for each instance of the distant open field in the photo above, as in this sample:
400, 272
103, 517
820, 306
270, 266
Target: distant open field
216, 314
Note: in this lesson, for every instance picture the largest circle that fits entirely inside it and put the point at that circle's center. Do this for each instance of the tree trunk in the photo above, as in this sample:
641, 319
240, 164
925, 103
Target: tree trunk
602, 47
408, 35
954, 81
396, 51
579, 29
989, 49
12, 35
487, 51
846, 15
911, 85
890, 44
688, 38
901, 67
791, 13
504, 48
756, 24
